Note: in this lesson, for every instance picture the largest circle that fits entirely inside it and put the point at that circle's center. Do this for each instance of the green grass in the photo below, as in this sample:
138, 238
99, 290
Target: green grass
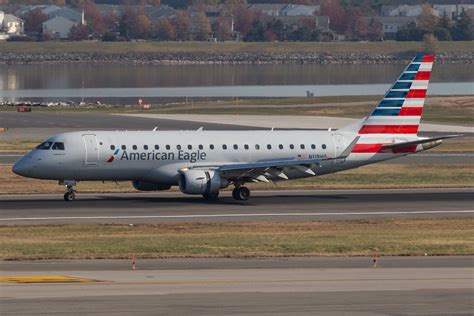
249, 239
230, 47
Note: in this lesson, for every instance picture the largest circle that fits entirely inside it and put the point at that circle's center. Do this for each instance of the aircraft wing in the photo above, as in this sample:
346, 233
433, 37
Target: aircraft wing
256, 171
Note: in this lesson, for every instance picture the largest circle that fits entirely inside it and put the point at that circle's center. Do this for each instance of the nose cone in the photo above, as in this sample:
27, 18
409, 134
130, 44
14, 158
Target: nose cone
22, 167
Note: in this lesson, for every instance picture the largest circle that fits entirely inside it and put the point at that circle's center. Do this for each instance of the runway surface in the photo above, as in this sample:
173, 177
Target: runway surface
263, 206
417, 285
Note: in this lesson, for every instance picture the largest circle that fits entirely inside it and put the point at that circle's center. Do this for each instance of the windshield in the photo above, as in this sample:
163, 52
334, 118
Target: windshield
58, 146
44, 146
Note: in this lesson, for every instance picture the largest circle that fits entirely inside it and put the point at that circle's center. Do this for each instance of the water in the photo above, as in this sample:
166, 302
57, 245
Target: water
116, 83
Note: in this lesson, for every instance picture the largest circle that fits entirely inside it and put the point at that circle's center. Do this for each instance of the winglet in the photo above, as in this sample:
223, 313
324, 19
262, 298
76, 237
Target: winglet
349, 148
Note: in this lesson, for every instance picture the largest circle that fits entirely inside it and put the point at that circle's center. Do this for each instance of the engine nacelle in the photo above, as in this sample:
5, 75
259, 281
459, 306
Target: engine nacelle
149, 186
201, 182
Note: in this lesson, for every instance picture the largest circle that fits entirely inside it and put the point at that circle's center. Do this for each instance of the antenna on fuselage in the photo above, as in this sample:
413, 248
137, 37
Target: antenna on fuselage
200, 129
154, 129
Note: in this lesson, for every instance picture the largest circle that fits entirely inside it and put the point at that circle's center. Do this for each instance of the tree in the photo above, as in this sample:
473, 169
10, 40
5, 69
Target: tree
203, 26
462, 30
34, 21
222, 29
256, 33
375, 30
135, 24
244, 19
94, 20
444, 21
166, 31
430, 44
427, 20
183, 24
336, 14
79, 32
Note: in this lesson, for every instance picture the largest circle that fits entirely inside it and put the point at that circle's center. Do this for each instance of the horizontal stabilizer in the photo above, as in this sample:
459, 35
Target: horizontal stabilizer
398, 146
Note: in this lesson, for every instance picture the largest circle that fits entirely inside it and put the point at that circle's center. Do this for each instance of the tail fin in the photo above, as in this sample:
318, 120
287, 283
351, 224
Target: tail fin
399, 112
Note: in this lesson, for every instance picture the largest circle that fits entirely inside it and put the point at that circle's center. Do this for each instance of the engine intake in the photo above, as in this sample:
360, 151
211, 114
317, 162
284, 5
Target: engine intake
200, 182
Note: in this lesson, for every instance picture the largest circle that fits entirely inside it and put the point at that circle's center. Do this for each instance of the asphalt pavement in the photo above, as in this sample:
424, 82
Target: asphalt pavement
263, 206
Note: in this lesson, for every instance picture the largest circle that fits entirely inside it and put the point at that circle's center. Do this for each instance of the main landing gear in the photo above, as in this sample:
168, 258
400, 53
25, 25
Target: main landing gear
70, 194
241, 193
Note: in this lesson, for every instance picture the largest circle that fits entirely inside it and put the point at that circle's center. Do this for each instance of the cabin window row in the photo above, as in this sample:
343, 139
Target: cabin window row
224, 146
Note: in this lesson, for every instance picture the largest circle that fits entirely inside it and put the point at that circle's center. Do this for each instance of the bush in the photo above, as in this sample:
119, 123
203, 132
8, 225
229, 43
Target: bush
442, 34
18, 38
430, 44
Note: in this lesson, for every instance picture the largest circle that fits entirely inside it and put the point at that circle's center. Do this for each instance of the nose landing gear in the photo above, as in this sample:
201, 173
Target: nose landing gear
70, 194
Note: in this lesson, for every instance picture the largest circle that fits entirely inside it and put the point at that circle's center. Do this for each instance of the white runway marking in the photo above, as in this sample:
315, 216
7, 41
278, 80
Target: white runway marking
228, 215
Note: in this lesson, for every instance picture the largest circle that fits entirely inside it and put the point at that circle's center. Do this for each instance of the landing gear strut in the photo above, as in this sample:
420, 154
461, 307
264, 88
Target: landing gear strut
241, 193
70, 194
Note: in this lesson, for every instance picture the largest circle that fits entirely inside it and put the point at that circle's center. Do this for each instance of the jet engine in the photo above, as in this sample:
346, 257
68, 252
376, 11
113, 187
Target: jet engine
149, 186
205, 182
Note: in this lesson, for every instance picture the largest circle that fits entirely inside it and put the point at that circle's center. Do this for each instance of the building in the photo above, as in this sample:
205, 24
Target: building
391, 24
10, 25
162, 12
58, 27
401, 10
271, 9
299, 10
452, 10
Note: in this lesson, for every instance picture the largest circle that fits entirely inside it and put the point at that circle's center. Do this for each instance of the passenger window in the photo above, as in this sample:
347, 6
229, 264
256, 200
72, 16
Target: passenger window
145, 147
257, 146
134, 147
313, 146
224, 147
157, 147
246, 146
302, 146
168, 147
201, 147
236, 147
58, 146
178, 147
324, 146
269, 146
44, 146
280, 146
211, 147
292, 146
112, 147
124, 147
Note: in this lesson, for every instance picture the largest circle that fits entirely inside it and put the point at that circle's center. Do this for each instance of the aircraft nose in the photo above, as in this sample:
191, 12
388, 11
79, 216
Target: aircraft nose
21, 167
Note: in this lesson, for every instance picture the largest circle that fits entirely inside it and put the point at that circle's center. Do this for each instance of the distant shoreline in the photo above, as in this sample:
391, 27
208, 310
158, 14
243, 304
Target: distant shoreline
173, 53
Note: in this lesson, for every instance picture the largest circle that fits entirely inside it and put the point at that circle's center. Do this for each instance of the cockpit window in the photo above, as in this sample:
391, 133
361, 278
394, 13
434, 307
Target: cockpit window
58, 146
44, 146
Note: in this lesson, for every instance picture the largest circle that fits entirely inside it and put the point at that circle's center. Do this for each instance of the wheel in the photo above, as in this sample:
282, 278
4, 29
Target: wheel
69, 196
241, 193
211, 196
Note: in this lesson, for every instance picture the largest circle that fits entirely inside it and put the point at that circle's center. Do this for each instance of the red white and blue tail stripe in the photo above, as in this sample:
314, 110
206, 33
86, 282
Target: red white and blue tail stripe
399, 112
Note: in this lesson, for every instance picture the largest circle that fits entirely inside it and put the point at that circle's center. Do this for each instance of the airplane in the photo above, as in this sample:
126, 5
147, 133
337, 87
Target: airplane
205, 162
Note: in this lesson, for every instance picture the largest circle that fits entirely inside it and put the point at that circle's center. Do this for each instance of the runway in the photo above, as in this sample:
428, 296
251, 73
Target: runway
303, 286
263, 206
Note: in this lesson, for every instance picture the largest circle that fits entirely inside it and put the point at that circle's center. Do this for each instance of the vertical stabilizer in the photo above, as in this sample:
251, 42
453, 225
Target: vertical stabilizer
399, 112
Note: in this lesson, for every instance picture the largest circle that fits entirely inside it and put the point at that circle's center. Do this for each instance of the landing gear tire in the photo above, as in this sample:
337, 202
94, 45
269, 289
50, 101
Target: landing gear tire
241, 194
69, 196
211, 196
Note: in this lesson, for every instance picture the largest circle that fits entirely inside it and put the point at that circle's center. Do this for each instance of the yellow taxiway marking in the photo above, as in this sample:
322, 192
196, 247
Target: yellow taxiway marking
45, 279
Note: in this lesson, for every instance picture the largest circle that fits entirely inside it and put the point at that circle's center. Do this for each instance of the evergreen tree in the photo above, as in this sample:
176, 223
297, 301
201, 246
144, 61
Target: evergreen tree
462, 30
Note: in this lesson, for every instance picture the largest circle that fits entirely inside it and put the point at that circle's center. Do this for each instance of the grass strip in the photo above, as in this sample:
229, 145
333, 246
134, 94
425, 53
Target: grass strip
247, 239
386, 47
380, 176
